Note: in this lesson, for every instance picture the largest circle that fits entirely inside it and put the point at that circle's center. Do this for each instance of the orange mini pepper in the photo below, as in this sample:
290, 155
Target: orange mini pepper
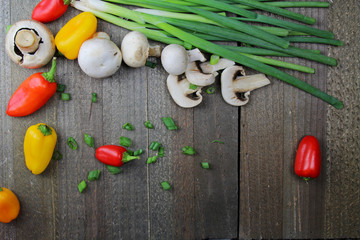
9, 205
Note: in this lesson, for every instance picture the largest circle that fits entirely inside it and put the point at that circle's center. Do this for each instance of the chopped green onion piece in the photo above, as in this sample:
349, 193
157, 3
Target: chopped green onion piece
205, 165
124, 141
65, 96
152, 159
60, 87
94, 97
71, 142
138, 152
94, 175
193, 86
148, 124
155, 145
57, 155
113, 170
131, 153
169, 123
89, 140
161, 151
188, 150
128, 126
217, 141
214, 59
82, 186
7, 28
210, 90
150, 64
165, 185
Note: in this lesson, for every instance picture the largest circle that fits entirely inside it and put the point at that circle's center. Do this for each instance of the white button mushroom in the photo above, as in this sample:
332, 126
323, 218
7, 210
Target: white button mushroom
99, 57
30, 44
236, 87
195, 76
223, 63
135, 49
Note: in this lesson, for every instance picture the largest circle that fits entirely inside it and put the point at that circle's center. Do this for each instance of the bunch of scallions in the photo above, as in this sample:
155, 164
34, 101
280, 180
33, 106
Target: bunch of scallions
199, 23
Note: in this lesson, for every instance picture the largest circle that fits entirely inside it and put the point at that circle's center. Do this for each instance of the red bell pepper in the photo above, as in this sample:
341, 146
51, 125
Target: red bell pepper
113, 155
308, 158
33, 93
49, 10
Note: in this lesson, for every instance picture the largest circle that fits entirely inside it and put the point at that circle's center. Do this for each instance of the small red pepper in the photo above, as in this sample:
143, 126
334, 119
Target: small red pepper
49, 10
33, 93
308, 158
113, 155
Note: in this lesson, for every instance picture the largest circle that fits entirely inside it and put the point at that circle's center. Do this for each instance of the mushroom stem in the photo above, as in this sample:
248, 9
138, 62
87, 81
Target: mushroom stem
154, 51
27, 41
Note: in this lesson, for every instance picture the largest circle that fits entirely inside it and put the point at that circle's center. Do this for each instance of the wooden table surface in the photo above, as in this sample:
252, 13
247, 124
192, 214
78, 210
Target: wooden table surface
250, 191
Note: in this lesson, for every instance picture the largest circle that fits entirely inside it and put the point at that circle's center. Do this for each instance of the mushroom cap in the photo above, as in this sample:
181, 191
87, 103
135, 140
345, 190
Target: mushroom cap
223, 63
135, 49
195, 76
99, 57
174, 59
46, 44
180, 92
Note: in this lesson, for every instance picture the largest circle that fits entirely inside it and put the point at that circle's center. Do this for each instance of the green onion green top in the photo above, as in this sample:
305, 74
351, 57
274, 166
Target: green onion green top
169, 123
94, 175
113, 170
71, 142
188, 150
165, 185
82, 186
124, 141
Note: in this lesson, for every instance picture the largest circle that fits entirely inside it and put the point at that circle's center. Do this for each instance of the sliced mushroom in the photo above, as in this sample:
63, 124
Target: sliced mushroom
135, 49
179, 88
30, 44
236, 87
223, 63
195, 76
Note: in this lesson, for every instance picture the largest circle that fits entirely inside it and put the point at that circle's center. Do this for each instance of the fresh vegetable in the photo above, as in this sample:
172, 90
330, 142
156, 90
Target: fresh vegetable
94, 97
60, 88
128, 126
9, 205
138, 152
308, 158
205, 165
210, 90
89, 140
154, 146
33, 93
188, 150
165, 185
179, 89
151, 159
150, 64
49, 10
169, 123
65, 96
161, 151
74, 33
94, 175
148, 124
113, 155
39, 145
113, 170
193, 86
71, 142
125, 141
57, 155
214, 59
82, 185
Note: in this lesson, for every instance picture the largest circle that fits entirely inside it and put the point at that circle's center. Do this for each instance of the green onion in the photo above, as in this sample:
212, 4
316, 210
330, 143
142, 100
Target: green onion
314, 40
128, 127
151, 159
150, 64
210, 90
57, 155
113, 170
82, 186
124, 141
148, 124
89, 140
65, 96
60, 87
165, 185
205, 165
154, 146
169, 123
7, 28
214, 59
71, 142
188, 150
161, 151
138, 152
193, 86
94, 97
217, 141
286, 4
94, 175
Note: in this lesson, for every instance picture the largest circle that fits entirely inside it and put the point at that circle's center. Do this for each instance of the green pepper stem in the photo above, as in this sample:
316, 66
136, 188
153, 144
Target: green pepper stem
67, 2
44, 129
127, 157
307, 179
49, 76
1, 189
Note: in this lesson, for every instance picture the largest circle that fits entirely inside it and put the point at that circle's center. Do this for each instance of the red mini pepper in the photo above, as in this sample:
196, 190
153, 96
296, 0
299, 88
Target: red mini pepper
33, 93
49, 10
308, 158
113, 155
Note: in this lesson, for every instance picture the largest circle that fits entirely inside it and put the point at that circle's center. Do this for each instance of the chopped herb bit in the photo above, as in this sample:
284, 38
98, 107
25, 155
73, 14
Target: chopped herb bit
124, 141
113, 170
65, 96
128, 126
155, 146
7, 28
210, 90
131, 153
169, 123
57, 155
150, 64
138, 152
93, 175
188, 150
217, 141
71, 142
214, 59
60, 87
165, 185
152, 159
82, 186
205, 165
161, 151
89, 140
94, 97
193, 86
148, 124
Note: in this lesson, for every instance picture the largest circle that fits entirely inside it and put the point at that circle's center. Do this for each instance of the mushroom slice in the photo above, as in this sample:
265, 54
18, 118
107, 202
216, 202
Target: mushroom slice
196, 55
195, 76
223, 63
30, 44
236, 89
179, 88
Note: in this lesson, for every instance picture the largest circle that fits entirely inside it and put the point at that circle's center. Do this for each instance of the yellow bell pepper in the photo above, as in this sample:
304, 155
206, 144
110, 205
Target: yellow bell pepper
72, 35
39, 145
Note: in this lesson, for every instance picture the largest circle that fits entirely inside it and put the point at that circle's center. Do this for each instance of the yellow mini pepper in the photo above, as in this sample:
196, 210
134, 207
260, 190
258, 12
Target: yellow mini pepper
39, 145
72, 35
